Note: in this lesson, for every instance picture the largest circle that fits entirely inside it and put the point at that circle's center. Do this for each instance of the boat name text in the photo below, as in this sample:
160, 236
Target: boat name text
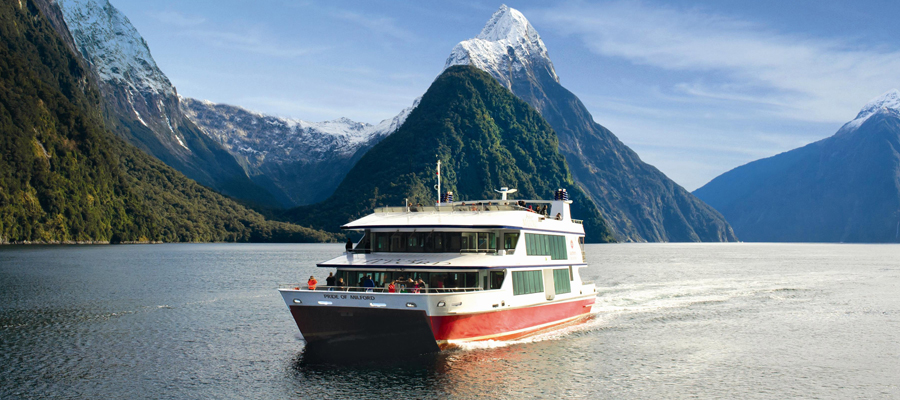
348, 296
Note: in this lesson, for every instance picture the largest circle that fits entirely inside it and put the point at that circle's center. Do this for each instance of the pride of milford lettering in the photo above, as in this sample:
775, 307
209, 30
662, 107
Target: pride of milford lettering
345, 296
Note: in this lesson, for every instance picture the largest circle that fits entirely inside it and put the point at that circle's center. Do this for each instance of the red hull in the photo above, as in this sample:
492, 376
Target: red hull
507, 324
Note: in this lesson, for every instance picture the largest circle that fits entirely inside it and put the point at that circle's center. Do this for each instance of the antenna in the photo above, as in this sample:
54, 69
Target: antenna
438, 186
504, 191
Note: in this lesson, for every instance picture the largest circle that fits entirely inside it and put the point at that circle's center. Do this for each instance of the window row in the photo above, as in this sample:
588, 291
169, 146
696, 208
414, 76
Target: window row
433, 280
546, 245
435, 242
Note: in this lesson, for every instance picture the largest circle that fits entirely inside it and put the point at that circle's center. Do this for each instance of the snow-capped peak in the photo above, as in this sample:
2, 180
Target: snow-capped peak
507, 45
509, 24
269, 138
889, 101
107, 39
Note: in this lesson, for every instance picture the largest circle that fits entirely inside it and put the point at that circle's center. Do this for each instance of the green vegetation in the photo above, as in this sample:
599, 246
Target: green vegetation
64, 177
485, 137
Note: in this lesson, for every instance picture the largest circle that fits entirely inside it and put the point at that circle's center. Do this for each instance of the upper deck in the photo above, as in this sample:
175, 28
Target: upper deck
536, 215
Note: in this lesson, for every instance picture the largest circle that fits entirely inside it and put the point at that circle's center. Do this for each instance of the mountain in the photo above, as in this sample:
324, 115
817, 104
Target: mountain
65, 178
485, 137
845, 188
303, 162
639, 201
143, 105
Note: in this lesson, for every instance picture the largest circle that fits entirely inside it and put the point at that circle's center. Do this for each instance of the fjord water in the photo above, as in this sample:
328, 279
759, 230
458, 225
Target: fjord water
671, 320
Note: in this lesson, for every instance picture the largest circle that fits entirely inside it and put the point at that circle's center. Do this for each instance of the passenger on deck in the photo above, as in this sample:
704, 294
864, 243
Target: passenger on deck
421, 286
312, 283
329, 281
340, 283
391, 288
558, 217
349, 246
369, 284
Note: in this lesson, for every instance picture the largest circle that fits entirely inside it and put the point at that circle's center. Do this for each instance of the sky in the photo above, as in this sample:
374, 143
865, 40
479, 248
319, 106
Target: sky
696, 88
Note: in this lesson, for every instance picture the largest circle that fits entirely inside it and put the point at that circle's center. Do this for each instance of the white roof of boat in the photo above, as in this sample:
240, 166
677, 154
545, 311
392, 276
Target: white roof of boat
452, 219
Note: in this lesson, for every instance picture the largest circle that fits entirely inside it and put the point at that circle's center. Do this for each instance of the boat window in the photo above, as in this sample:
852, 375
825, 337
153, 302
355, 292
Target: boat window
546, 245
382, 242
398, 242
497, 279
527, 282
454, 243
438, 242
509, 241
561, 281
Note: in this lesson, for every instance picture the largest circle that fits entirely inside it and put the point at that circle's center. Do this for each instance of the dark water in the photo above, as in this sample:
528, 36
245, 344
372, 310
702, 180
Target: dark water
671, 321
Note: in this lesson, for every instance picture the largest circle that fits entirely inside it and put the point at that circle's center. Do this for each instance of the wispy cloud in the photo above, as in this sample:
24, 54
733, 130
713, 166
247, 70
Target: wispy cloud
251, 41
379, 24
810, 79
177, 19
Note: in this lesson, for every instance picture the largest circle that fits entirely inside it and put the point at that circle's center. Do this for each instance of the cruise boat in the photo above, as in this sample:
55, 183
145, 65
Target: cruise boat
450, 273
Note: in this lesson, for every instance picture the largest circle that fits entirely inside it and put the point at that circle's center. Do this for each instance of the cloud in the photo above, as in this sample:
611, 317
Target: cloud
249, 40
802, 78
381, 25
177, 19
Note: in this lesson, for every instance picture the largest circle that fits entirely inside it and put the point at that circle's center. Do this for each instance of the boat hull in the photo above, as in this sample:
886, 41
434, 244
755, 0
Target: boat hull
345, 331
507, 324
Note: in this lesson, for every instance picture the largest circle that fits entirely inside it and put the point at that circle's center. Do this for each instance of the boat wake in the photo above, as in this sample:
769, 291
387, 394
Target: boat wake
620, 305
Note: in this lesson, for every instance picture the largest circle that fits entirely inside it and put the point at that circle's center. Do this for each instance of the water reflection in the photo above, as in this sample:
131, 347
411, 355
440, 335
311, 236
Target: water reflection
461, 373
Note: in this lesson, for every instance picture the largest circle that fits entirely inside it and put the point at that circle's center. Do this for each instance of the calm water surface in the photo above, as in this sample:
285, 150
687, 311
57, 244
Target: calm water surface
671, 321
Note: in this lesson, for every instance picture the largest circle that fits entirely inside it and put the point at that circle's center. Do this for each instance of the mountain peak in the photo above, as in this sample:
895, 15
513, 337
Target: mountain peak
106, 38
507, 46
889, 102
507, 23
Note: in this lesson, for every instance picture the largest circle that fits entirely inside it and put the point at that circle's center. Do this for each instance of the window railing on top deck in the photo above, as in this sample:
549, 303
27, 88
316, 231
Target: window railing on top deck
501, 205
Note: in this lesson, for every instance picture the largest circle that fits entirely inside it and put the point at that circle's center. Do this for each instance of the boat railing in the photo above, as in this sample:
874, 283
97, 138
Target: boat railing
379, 289
452, 208
458, 207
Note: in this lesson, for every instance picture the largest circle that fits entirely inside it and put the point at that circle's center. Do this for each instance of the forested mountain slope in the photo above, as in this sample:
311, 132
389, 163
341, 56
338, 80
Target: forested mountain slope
64, 177
485, 137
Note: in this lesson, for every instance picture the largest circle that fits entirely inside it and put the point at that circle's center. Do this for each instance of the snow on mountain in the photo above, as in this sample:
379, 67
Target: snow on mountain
887, 102
639, 201
507, 45
262, 138
129, 77
107, 39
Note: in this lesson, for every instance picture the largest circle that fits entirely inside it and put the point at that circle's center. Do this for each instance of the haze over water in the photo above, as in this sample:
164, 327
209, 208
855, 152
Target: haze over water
671, 320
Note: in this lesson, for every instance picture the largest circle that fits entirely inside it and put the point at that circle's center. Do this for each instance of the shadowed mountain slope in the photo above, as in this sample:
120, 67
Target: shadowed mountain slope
845, 188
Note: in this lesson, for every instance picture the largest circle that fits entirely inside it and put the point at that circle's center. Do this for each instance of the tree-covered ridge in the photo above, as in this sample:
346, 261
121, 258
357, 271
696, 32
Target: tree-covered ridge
63, 177
485, 137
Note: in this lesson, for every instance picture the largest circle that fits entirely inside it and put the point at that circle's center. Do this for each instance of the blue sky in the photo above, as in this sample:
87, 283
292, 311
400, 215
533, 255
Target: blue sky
695, 88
